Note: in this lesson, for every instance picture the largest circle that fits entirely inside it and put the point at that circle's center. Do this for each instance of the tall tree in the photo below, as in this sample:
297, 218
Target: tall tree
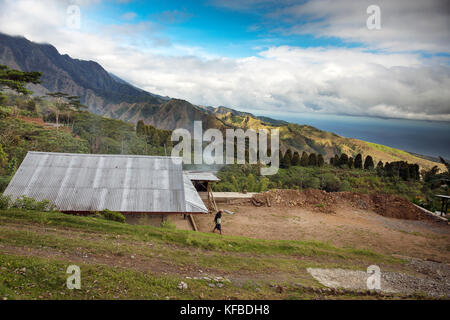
336, 160
380, 165
350, 162
281, 156
312, 161
296, 159
60, 104
343, 160
358, 161
320, 161
287, 158
304, 159
380, 168
17, 80
368, 164
141, 128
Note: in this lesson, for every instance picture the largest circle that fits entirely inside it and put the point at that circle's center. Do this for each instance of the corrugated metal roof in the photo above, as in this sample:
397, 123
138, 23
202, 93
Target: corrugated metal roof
90, 182
193, 200
201, 176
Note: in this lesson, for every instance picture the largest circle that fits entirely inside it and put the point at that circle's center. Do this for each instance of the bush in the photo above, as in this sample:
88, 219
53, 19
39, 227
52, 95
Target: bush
5, 112
5, 202
311, 183
168, 225
27, 203
345, 186
330, 182
112, 215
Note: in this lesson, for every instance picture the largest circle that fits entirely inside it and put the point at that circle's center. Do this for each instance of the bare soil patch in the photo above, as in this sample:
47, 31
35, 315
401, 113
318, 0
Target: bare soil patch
343, 219
387, 205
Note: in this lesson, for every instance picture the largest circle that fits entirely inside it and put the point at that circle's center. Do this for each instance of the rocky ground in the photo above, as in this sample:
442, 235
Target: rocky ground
433, 279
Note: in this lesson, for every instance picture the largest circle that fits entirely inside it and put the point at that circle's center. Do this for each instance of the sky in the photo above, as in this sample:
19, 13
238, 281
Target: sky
262, 56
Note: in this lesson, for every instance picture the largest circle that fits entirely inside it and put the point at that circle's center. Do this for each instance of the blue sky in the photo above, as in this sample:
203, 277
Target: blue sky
264, 56
218, 30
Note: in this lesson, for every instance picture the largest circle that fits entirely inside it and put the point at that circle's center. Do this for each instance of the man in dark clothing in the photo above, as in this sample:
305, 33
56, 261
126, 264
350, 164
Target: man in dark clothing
218, 221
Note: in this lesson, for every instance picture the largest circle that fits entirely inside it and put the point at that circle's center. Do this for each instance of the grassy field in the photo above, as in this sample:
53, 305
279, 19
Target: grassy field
129, 262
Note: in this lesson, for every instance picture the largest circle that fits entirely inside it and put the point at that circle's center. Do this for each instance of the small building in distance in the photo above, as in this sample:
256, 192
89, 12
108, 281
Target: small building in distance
149, 187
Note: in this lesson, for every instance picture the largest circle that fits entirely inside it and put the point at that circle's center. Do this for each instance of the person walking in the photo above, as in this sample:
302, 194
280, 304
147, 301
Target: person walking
218, 221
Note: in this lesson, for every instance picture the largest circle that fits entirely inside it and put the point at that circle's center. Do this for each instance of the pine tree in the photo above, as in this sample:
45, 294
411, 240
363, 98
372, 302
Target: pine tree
380, 165
350, 162
412, 172
17, 80
282, 164
304, 159
416, 169
312, 161
368, 164
296, 159
358, 161
288, 158
336, 160
388, 169
141, 128
343, 160
380, 168
155, 139
320, 160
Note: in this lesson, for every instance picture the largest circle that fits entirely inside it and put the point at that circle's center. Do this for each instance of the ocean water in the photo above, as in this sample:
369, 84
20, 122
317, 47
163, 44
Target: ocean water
430, 138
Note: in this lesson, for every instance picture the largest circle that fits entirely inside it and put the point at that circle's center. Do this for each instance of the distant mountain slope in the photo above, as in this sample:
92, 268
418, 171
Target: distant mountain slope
86, 79
169, 115
108, 95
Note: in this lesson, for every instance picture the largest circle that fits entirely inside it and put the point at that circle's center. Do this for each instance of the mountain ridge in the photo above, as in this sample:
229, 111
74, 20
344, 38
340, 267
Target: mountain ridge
107, 95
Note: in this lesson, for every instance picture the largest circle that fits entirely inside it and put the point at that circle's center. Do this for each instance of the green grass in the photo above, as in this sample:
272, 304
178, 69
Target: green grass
46, 243
205, 241
400, 154
38, 278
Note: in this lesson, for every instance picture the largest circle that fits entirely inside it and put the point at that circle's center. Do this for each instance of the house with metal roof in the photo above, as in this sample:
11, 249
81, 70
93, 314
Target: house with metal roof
202, 181
85, 183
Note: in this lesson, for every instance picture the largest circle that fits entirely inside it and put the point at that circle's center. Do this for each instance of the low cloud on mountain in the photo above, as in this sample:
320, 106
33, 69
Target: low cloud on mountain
384, 78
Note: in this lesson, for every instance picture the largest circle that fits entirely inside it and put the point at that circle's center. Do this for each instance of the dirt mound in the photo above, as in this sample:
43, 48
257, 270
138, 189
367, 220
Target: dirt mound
291, 198
397, 207
384, 204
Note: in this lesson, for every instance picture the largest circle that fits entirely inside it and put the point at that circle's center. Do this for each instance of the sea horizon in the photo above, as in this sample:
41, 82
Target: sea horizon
425, 137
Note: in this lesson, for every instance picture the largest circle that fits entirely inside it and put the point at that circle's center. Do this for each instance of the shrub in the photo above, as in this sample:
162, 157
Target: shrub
5, 112
4, 181
168, 225
5, 202
330, 182
28, 203
311, 182
112, 215
344, 186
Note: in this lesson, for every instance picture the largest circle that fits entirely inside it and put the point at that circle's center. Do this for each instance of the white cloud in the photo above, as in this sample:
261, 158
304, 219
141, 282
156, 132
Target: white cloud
129, 15
288, 79
405, 24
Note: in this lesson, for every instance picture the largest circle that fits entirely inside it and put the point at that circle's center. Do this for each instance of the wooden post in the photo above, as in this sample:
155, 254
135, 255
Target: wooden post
211, 196
192, 220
